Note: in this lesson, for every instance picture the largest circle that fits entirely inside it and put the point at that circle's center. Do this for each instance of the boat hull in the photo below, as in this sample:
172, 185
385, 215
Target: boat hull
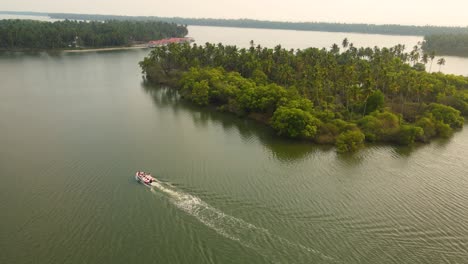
144, 179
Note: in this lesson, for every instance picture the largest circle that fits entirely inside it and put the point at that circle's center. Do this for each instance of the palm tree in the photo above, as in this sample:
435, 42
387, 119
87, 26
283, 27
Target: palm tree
335, 49
398, 50
441, 62
415, 55
431, 56
425, 58
345, 43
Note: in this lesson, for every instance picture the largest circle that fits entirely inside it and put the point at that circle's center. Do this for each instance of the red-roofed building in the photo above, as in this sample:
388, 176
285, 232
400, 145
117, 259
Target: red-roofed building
167, 41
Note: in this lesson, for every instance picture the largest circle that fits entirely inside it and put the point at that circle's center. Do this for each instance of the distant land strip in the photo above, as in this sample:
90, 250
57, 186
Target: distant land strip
251, 23
29, 34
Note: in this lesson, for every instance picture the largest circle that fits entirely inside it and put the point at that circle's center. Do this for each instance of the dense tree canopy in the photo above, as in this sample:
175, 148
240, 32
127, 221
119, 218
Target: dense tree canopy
447, 44
307, 26
30, 34
329, 96
251, 23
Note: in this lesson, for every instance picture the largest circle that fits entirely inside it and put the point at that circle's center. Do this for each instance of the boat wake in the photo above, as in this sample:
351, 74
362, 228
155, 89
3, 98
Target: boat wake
271, 246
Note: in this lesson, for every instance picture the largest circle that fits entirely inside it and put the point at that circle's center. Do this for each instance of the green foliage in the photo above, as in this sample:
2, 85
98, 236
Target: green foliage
31, 34
325, 115
428, 125
349, 141
443, 130
447, 44
221, 87
300, 103
419, 67
259, 77
435, 126
458, 101
295, 123
262, 98
251, 23
408, 134
319, 94
447, 115
349, 84
380, 126
200, 93
329, 131
375, 102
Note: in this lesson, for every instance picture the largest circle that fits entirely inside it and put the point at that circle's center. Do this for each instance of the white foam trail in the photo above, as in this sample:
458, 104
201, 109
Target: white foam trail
256, 238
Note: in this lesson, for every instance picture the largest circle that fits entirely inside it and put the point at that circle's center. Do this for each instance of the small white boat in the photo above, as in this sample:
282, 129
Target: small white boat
144, 178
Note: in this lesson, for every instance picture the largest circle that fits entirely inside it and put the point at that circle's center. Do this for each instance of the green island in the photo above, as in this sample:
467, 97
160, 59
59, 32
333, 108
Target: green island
447, 44
18, 34
343, 96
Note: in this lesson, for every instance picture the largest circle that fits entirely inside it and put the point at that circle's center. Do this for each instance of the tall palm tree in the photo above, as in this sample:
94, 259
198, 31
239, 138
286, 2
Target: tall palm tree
335, 49
425, 58
345, 43
415, 55
431, 56
441, 62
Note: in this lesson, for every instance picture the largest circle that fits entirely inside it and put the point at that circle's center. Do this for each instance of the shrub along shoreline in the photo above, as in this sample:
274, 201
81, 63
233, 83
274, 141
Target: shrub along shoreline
327, 96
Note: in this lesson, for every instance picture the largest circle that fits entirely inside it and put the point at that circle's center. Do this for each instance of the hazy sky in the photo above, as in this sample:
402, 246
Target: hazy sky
420, 12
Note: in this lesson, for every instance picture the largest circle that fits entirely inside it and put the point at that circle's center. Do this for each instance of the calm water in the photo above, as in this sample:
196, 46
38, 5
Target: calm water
304, 39
40, 18
301, 40
75, 128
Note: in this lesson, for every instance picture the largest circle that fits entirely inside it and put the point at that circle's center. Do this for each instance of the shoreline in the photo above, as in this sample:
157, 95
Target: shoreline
106, 49
79, 50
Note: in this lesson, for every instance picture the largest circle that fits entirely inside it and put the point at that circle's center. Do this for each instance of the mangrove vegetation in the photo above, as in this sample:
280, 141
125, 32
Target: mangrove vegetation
343, 96
30, 34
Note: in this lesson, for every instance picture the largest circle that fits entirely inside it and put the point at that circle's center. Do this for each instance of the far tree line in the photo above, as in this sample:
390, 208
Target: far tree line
442, 40
305, 26
31, 34
252, 23
447, 44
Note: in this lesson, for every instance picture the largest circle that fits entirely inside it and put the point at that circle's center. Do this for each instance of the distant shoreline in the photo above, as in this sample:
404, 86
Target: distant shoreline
70, 35
105, 49
382, 29
79, 50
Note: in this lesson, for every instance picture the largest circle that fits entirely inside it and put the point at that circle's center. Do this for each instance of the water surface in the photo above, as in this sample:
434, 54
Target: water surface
292, 39
75, 128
